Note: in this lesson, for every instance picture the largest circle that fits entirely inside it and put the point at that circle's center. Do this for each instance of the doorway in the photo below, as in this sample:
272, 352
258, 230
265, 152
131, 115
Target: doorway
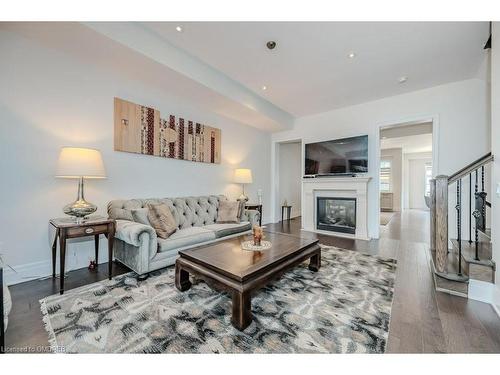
289, 184
406, 167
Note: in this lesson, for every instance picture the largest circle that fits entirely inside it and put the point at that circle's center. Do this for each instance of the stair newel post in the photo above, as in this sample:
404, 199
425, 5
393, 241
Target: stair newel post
459, 225
432, 208
441, 225
470, 207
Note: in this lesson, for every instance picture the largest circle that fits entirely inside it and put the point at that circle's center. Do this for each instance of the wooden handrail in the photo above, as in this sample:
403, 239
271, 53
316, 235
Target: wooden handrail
470, 168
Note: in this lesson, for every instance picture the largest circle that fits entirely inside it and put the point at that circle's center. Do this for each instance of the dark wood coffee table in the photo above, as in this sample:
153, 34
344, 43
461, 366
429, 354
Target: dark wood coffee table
225, 266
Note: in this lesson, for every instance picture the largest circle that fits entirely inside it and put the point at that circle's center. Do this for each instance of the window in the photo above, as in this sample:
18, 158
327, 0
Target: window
428, 177
385, 176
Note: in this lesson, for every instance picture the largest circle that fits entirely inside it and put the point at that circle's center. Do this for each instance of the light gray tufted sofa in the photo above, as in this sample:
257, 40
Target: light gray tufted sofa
138, 247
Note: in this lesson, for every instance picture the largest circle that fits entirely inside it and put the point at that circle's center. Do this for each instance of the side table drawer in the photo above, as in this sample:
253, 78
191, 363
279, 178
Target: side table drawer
87, 231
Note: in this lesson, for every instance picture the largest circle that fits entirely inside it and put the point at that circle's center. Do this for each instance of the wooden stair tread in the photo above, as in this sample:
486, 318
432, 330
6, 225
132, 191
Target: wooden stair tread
469, 252
444, 282
451, 266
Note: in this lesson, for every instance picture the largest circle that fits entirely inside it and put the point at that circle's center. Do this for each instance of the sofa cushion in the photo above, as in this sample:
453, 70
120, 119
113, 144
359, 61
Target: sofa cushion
186, 237
140, 215
161, 219
241, 209
187, 211
228, 212
222, 230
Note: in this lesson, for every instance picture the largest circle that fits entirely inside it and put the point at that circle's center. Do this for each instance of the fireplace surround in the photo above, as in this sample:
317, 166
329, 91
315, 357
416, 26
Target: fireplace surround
353, 188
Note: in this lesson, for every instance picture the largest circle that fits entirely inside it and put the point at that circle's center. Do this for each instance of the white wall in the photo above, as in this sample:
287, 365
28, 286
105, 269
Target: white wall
460, 111
495, 148
416, 187
407, 178
395, 155
49, 100
290, 175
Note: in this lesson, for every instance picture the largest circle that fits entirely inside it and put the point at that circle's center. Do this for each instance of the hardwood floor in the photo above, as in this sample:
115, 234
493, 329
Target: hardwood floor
423, 321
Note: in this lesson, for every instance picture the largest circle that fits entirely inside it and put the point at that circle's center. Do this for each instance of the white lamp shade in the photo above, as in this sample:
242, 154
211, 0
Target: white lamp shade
75, 162
243, 176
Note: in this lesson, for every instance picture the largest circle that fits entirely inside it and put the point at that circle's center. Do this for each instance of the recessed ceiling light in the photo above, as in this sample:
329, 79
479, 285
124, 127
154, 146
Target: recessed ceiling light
179, 28
402, 79
351, 55
264, 88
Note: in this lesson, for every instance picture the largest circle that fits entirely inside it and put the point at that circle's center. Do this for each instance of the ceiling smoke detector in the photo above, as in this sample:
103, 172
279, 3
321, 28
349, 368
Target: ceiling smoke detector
271, 44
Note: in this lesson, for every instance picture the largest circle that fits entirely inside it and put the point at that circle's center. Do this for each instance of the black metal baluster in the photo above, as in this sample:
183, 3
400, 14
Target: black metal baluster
459, 226
482, 178
483, 201
476, 213
470, 207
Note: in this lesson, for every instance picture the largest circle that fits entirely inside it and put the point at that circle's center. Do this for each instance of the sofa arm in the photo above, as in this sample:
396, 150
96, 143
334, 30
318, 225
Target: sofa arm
137, 234
252, 216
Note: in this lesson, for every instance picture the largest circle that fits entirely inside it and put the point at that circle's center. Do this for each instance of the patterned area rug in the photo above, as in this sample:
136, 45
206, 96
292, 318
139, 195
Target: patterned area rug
343, 308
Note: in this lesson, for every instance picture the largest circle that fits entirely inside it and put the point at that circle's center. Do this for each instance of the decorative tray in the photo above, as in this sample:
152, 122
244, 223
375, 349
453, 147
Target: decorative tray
248, 245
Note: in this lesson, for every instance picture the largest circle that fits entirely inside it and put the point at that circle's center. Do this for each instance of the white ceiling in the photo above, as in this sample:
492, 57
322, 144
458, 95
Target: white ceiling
410, 144
84, 42
309, 71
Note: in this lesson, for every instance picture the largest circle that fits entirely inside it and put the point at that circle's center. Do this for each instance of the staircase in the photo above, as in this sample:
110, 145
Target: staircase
455, 261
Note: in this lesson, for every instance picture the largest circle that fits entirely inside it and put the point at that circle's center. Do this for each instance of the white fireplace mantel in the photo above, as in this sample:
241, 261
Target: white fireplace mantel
346, 187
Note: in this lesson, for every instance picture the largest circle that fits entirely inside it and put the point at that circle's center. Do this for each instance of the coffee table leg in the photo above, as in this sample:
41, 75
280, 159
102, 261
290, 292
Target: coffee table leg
181, 278
242, 310
315, 262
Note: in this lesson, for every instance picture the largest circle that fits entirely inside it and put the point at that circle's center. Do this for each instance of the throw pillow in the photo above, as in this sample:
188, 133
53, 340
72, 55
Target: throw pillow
228, 212
162, 220
241, 209
140, 215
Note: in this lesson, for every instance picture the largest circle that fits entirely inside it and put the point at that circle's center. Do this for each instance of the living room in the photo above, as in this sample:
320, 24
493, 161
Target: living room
228, 186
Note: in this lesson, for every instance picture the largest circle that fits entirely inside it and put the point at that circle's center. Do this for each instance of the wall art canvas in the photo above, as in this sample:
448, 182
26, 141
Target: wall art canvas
140, 129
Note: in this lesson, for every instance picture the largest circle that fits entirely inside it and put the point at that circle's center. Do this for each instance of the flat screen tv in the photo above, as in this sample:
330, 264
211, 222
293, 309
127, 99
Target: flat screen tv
337, 157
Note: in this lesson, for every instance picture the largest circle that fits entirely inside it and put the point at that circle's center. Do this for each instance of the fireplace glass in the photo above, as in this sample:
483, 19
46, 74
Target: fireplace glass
336, 214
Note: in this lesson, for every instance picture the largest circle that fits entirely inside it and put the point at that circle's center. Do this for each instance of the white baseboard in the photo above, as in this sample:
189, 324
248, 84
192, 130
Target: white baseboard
38, 270
485, 292
27, 272
77, 256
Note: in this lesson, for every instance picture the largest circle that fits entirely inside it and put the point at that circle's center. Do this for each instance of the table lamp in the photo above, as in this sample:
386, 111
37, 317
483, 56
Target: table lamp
243, 176
80, 163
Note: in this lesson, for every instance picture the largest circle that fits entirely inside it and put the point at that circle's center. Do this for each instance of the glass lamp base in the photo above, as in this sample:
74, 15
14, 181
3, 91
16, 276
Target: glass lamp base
243, 197
80, 208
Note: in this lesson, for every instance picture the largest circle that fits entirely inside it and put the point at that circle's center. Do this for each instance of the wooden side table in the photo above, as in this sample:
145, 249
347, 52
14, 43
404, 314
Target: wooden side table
68, 228
255, 206
288, 212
